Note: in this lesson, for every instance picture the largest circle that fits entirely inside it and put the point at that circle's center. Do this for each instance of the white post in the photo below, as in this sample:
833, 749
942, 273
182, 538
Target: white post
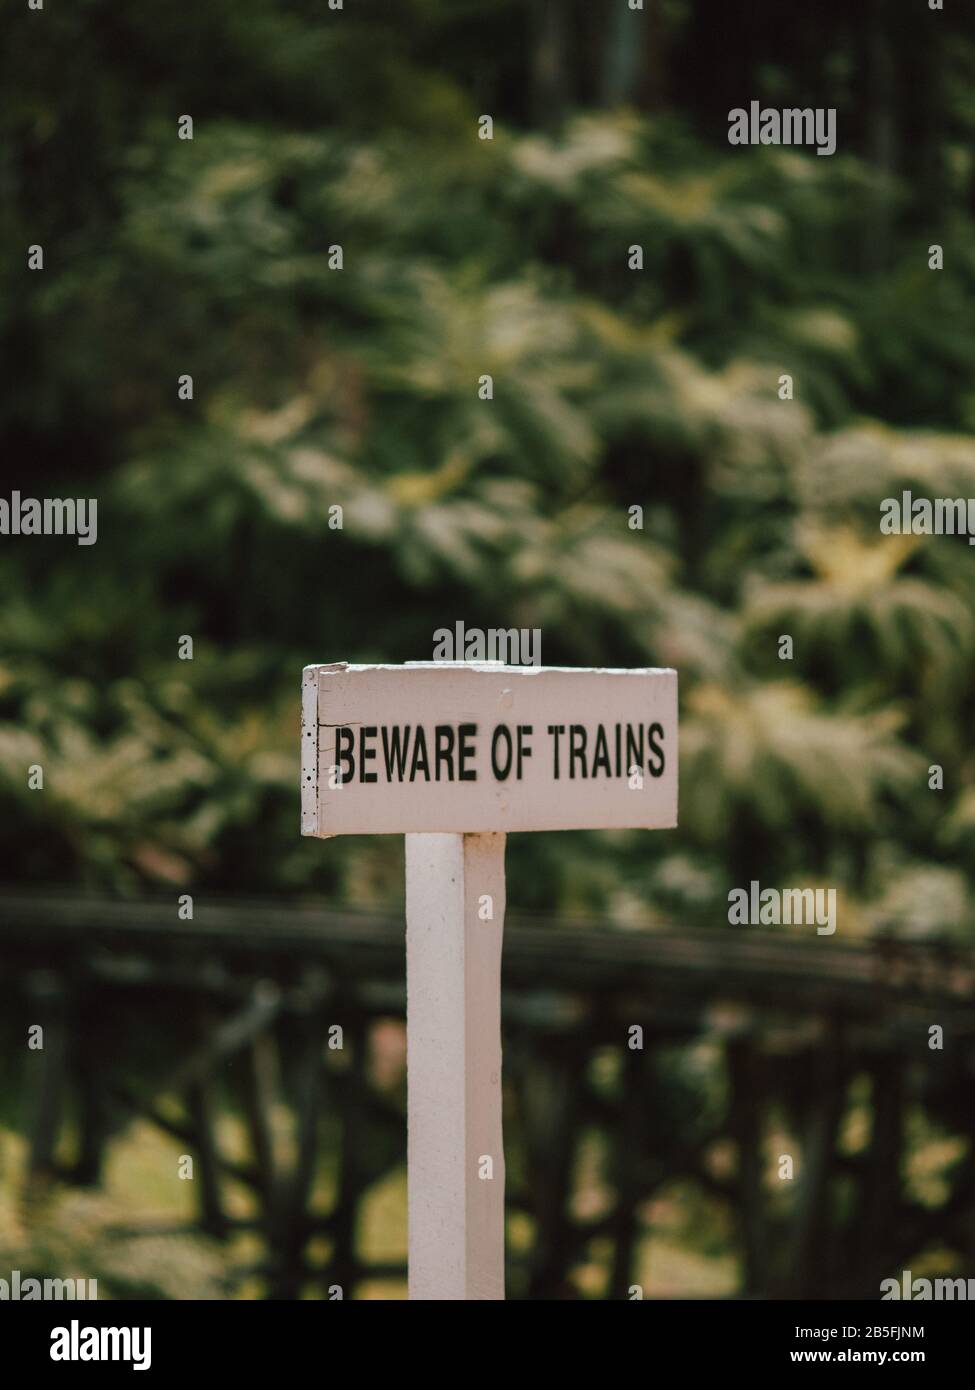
455, 900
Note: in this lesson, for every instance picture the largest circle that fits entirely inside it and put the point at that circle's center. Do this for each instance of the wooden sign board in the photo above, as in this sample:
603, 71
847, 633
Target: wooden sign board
453, 756
462, 748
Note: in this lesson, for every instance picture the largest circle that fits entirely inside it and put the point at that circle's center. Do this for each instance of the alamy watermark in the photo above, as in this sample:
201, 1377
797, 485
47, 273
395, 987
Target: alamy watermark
26, 1289
50, 516
790, 126
927, 1290
77, 1343
756, 906
514, 646
925, 516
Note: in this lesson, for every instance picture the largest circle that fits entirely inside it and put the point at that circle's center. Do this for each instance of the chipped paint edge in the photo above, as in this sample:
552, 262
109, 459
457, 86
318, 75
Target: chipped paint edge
309, 750
310, 695
492, 668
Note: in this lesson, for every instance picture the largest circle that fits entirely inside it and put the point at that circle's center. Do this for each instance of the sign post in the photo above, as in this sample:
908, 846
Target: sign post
454, 756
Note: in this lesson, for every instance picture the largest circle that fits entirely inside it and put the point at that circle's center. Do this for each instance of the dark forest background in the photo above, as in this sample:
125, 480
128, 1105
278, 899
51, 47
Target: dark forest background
613, 388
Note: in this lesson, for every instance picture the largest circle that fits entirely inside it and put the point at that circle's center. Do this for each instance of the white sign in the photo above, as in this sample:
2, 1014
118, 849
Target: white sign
454, 755
467, 748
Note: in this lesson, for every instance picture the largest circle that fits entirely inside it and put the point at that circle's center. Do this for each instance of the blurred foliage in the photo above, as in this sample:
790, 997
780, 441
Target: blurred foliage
77, 1234
613, 388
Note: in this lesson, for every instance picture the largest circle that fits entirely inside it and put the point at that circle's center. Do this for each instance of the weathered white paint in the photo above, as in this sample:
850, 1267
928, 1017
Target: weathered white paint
309, 750
354, 699
453, 1040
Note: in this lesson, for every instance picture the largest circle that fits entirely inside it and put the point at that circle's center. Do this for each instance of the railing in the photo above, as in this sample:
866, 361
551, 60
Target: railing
746, 1036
